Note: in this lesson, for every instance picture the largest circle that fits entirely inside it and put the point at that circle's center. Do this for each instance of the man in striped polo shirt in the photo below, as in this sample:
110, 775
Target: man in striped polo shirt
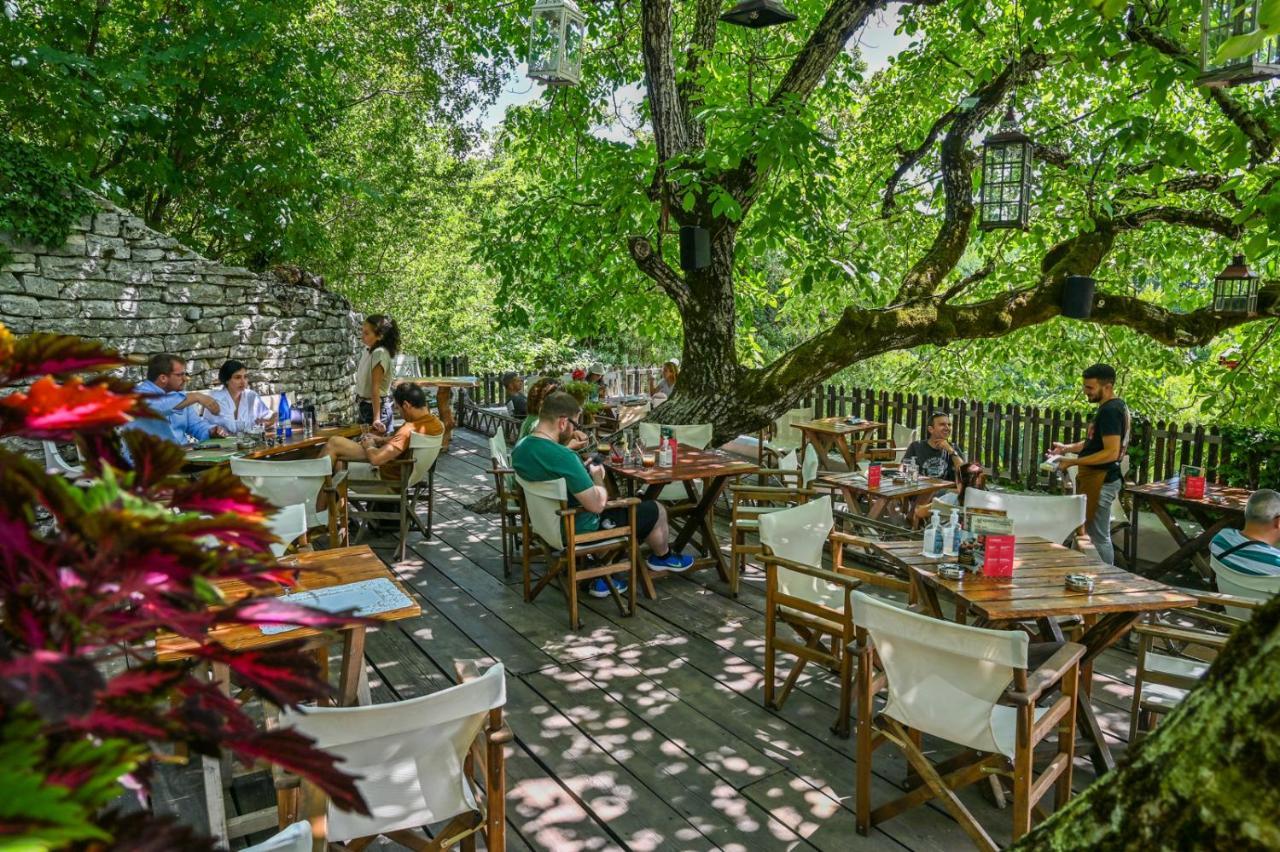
1254, 550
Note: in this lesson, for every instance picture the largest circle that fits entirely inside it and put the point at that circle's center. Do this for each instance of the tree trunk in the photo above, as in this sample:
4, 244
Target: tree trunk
1207, 778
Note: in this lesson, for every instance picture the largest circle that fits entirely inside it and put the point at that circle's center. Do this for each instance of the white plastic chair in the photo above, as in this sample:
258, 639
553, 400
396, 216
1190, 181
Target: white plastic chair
289, 524
55, 463
1053, 517
410, 759
366, 489
1252, 586
968, 686
287, 483
696, 435
295, 838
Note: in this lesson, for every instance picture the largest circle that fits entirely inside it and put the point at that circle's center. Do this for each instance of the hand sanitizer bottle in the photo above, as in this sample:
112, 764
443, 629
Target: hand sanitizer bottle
933, 537
951, 535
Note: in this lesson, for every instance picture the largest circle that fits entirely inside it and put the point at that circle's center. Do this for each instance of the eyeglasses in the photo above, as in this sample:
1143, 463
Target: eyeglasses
575, 424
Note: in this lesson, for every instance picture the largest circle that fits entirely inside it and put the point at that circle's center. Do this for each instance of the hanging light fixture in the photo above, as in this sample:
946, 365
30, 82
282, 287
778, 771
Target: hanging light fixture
758, 13
1005, 199
1221, 20
555, 42
1077, 296
1235, 290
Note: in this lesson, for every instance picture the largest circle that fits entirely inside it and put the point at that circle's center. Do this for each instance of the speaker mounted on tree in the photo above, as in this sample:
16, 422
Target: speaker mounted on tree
695, 248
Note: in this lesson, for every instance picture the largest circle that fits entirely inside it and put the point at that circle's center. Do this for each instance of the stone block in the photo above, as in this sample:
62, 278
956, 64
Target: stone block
34, 285
99, 309
133, 228
191, 294
107, 224
73, 247
17, 325
18, 306
9, 283
68, 268
106, 247
146, 255
57, 309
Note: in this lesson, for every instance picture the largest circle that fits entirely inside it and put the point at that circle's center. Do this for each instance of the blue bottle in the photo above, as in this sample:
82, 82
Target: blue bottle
284, 418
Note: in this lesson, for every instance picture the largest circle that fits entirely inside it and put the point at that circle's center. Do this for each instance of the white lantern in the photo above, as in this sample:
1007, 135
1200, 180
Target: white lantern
1221, 20
555, 42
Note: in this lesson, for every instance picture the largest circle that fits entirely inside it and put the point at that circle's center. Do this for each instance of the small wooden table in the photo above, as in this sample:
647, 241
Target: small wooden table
315, 571
830, 433
1222, 506
213, 456
444, 386
855, 488
1036, 591
715, 469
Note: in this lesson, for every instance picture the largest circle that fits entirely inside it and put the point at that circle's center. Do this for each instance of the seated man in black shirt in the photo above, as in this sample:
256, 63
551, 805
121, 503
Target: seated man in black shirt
936, 456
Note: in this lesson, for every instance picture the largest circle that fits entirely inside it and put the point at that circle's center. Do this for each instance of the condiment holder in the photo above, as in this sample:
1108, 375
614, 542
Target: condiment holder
1080, 582
951, 571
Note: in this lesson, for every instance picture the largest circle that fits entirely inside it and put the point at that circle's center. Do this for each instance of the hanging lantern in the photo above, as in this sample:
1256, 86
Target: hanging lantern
1235, 290
1005, 201
555, 42
1077, 297
1221, 20
758, 13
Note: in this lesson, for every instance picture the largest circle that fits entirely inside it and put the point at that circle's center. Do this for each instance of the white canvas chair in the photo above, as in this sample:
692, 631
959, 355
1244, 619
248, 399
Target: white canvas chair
696, 435
747, 503
809, 600
504, 485
781, 436
968, 686
289, 524
367, 490
295, 838
545, 515
895, 447
55, 463
1249, 586
1053, 517
418, 762
288, 483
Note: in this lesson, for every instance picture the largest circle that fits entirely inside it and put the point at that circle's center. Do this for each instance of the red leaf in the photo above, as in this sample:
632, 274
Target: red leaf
53, 411
154, 459
142, 681
131, 725
57, 685
41, 353
298, 754
281, 674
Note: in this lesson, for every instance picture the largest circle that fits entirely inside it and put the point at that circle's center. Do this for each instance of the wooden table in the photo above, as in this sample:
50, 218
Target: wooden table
211, 457
829, 433
444, 386
1036, 592
1222, 506
315, 571
715, 469
854, 486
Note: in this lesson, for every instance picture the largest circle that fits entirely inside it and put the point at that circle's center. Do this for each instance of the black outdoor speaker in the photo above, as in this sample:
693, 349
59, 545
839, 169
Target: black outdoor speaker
695, 248
1077, 297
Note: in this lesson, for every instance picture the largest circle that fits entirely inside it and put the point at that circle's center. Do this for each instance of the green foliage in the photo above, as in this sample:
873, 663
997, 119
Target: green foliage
39, 201
581, 391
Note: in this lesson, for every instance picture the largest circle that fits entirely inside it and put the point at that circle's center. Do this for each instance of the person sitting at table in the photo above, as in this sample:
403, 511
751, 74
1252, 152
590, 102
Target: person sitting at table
517, 402
595, 376
541, 389
971, 475
240, 408
163, 393
1254, 550
411, 402
936, 456
667, 385
543, 456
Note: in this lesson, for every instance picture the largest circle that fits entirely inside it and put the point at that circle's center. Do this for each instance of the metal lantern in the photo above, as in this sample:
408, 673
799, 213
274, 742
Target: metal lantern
758, 13
555, 42
1235, 290
1224, 19
1005, 201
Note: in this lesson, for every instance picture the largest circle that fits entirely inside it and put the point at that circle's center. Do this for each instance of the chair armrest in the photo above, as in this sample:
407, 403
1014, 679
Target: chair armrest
1182, 634
809, 570
337, 479
623, 502
1212, 598
771, 491
502, 471
848, 538
1049, 673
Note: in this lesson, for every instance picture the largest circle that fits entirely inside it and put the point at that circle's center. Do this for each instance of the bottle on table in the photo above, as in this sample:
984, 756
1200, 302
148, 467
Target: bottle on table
951, 535
933, 537
284, 418
666, 456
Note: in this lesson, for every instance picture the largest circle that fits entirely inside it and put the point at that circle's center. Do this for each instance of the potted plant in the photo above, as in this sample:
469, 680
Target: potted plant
590, 410
581, 391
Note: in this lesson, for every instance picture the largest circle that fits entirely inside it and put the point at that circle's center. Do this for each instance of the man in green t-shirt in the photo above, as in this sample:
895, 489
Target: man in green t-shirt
542, 456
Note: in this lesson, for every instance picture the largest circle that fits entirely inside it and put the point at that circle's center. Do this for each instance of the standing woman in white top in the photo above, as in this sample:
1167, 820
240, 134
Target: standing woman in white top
381, 340
239, 406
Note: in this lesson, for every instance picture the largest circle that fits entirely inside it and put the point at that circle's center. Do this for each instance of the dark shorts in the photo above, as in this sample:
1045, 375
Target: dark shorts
646, 517
365, 409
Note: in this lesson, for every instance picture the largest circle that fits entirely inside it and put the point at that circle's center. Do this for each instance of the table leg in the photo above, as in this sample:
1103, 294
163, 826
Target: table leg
444, 396
710, 493
1104, 633
352, 664
878, 505
849, 456
1131, 540
1188, 546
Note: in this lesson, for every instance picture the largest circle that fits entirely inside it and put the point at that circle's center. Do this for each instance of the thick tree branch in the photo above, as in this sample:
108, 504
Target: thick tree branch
701, 43
652, 264
1262, 138
909, 160
670, 130
842, 19
1206, 219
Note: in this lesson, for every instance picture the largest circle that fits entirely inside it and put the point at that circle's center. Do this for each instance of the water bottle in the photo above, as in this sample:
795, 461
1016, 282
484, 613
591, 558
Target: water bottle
933, 537
951, 535
284, 418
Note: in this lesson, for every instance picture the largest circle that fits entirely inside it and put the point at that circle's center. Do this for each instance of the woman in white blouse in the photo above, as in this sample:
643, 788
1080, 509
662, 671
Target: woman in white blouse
239, 406
381, 338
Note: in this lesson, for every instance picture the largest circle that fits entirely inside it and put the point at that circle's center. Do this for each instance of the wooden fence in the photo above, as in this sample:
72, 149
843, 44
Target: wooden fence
1009, 440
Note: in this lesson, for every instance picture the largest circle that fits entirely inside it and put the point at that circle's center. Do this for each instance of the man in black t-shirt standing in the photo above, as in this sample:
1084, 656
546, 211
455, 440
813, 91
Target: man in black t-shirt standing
1099, 477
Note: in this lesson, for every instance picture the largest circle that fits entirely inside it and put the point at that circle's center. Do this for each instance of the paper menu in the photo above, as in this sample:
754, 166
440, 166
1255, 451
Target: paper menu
366, 597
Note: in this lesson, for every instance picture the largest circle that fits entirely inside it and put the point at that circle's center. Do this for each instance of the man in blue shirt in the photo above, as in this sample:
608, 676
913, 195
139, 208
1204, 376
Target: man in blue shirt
1254, 550
162, 391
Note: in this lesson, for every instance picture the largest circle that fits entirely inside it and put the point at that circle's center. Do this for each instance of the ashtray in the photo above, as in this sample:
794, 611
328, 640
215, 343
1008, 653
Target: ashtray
244, 444
1080, 582
899, 480
951, 571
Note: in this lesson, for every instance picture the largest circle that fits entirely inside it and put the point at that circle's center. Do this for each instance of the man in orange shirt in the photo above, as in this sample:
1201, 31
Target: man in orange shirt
411, 401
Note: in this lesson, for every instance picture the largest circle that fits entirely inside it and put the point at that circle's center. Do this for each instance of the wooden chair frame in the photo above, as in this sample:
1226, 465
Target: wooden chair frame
747, 504
565, 565
405, 496
1061, 673
815, 624
510, 517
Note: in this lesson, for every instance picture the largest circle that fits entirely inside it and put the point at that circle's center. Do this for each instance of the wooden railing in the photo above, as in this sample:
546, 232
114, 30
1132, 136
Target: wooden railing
1009, 440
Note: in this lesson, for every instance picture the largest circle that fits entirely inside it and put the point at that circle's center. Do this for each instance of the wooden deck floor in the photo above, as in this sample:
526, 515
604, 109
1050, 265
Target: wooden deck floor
649, 732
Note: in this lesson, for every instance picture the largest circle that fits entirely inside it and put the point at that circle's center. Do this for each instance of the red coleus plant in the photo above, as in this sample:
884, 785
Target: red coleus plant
90, 571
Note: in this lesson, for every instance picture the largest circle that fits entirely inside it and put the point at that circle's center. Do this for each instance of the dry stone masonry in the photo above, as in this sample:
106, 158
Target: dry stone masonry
117, 280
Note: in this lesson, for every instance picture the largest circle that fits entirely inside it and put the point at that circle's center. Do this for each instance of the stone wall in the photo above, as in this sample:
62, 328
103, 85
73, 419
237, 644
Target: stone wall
117, 280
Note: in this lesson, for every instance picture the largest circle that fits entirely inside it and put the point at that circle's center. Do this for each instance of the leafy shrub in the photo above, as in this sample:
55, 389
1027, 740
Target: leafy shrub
89, 572
580, 391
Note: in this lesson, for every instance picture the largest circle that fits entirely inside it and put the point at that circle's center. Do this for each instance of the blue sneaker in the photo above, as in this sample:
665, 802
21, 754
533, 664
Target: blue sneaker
673, 562
599, 587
